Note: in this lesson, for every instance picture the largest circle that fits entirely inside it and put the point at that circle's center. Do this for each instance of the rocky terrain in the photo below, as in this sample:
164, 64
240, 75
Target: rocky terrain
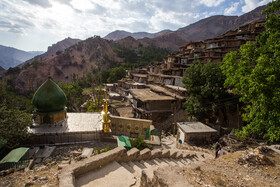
52, 50
77, 59
251, 165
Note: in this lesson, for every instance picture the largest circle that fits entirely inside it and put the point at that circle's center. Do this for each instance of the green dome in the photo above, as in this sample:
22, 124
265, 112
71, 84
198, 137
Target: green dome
49, 97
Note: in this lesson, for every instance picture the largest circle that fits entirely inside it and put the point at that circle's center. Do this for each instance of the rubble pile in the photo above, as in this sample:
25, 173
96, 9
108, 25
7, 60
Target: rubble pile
255, 157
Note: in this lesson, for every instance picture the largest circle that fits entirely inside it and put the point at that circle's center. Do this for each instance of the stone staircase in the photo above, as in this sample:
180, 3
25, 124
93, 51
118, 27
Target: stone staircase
137, 168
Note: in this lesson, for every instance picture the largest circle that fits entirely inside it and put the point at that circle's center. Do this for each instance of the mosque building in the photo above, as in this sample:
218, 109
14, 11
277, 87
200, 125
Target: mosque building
50, 103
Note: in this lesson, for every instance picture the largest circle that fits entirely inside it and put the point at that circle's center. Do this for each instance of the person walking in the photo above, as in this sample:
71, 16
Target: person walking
217, 148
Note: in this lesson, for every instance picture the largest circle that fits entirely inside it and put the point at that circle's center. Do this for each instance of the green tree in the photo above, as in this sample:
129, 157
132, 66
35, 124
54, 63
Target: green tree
103, 76
204, 84
73, 93
254, 73
116, 74
14, 121
14, 124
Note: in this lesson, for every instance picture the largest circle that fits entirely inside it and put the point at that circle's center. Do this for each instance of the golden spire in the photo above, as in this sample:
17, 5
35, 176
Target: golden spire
105, 122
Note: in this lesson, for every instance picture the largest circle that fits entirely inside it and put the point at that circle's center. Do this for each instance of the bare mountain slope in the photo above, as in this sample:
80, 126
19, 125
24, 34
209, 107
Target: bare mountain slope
59, 46
76, 59
204, 29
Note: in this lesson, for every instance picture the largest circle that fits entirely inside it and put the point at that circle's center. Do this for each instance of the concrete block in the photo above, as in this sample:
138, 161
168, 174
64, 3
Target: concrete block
179, 154
66, 179
186, 155
144, 154
156, 153
173, 153
132, 154
87, 152
165, 153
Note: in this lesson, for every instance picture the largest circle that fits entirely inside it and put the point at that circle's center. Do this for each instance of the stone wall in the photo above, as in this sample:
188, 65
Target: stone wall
129, 126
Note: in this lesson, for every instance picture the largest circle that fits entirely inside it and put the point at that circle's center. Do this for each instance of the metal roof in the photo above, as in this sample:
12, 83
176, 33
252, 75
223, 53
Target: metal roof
15, 155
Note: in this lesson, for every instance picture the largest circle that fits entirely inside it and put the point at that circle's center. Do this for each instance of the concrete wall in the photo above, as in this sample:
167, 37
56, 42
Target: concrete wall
198, 138
60, 138
53, 117
129, 126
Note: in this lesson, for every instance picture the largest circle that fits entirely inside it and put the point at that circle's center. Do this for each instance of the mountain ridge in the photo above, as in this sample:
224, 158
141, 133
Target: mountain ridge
203, 29
11, 57
59, 46
121, 34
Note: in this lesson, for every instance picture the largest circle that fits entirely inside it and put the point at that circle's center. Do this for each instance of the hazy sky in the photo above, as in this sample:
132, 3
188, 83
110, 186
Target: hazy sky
36, 24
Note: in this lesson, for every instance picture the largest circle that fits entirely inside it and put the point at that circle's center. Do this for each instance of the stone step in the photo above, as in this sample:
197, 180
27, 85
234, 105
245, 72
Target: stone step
137, 167
112, 174
170, 162
178, 162
184, 161
127, 166
146, 163
160, 162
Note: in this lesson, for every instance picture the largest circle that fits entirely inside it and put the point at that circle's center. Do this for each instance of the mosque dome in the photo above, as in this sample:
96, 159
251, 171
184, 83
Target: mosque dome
49, 97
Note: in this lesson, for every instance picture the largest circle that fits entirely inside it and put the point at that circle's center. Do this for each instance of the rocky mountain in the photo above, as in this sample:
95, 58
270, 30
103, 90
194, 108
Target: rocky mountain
59, 46
203, 29
82, 57
11, 57
118, 35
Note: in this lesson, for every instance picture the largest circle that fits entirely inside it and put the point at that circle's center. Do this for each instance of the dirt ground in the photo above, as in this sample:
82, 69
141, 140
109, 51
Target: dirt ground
226, 171
231, 169
46, 173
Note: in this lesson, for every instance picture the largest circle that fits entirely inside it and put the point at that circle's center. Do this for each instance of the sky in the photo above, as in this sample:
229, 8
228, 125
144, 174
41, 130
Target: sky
33, 25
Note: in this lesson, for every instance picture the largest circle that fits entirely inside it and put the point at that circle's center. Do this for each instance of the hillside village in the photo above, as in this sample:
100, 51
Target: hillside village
136, 130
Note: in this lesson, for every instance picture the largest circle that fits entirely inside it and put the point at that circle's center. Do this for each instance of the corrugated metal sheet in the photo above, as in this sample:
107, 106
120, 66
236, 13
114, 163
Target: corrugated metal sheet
15, 155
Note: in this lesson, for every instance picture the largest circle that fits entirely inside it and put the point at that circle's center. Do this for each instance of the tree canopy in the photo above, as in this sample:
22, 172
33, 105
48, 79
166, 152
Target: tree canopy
14, 120
204, 84
73, 94
254, 73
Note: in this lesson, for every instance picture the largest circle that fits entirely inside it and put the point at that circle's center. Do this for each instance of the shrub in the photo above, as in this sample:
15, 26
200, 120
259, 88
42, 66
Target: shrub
138, 143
